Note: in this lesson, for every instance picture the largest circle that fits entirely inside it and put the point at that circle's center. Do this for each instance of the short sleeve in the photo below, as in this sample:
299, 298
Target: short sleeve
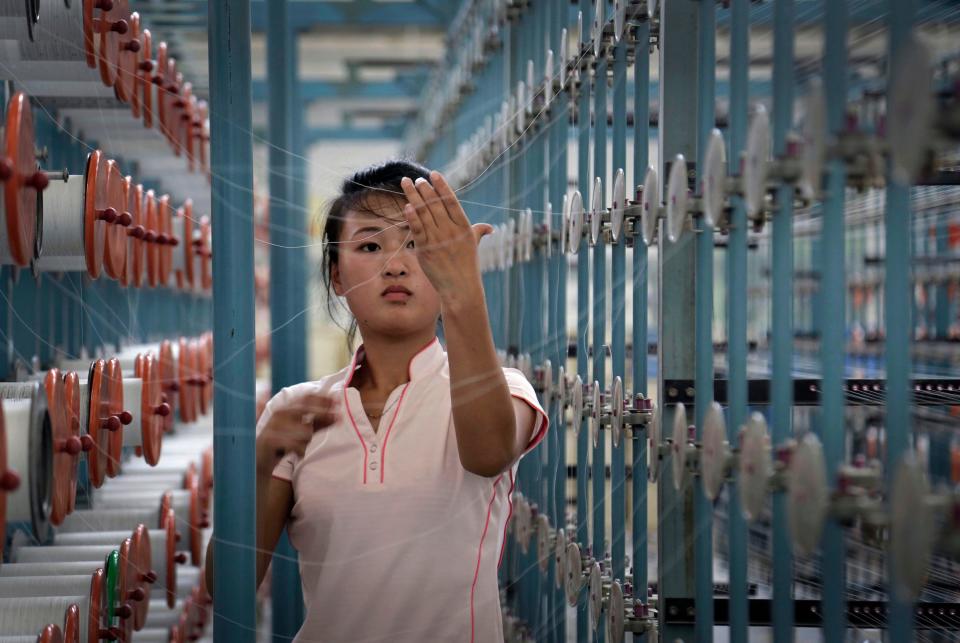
284, 468
522, 389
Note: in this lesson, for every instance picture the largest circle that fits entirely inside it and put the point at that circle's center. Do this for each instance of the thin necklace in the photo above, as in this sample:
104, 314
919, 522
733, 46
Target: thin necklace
374, 416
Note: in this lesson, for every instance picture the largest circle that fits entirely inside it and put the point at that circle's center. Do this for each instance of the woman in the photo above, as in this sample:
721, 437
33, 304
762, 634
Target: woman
394, 475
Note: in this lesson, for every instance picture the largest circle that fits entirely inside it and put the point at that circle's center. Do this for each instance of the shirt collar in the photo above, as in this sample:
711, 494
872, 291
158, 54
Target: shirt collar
424, 361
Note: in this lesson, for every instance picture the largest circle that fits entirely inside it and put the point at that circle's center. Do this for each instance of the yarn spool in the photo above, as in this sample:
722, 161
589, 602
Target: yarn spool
58, 61
111, 37
30, 453
184, 502
63, 413
21, 182
76, 215
31, 615
136, 235
110, 520
89, 612
17, 21
115, 244
164, 557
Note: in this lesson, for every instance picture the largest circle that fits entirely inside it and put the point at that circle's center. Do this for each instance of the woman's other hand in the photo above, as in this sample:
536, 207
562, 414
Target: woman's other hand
291, 427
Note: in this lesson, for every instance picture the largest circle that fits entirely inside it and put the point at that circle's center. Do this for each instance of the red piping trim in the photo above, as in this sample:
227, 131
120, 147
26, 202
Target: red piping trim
383, 453
346, 404
503, 545
544, 424
476, 572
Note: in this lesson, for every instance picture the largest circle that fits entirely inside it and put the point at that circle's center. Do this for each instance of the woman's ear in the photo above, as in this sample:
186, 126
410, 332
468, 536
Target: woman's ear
335, 279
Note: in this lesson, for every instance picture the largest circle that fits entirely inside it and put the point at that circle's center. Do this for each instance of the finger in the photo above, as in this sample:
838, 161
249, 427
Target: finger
449, 198
436, 206
480, 230
413, 196
416, 225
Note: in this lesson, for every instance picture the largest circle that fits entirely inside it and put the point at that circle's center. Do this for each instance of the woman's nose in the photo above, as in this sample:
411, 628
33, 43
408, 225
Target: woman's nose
394, 267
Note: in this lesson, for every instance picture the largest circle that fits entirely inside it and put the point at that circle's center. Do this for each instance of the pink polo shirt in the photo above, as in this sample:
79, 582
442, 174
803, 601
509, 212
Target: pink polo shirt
397, 540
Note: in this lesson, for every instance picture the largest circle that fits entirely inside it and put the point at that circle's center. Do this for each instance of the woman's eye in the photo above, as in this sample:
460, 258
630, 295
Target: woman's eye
410, 244
370, 244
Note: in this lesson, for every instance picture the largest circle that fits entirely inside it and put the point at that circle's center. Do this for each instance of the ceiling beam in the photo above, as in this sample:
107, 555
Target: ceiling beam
314, 90
304, 15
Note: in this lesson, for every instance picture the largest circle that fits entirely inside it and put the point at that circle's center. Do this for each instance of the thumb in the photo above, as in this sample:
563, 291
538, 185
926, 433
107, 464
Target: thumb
480, 230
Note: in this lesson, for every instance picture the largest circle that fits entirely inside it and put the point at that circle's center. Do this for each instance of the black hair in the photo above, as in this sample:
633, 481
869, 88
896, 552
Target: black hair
354, 192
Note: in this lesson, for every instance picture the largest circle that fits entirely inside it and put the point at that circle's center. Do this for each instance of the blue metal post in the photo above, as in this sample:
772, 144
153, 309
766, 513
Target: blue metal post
781, 257
599, 327
897, 298
583, 322
679, 26
703, 381
737, 311
618, 469
833, 325
231, 152
287, 281
641, 153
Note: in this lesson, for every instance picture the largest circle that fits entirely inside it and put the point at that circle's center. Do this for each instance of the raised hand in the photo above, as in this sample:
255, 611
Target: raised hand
446, 242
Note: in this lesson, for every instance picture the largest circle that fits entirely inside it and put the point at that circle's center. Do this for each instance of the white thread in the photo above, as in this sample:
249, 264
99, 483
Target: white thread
158, 544
64, 553
132, 398
63, 229
74, 585
110, 520
17, 414
49, 569
114, 497
29, 615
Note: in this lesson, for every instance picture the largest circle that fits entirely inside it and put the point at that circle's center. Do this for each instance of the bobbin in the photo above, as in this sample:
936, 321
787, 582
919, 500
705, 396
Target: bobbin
29, 452
74, 221
755, 467
22, 180
575, 572
626, 614
598, 591
115, 243
560, 543
185, 259
545, 542
651, 210
90, 585
716, 460
64, 47
573, 222
807, 494
683, 450
141, 101
185, 502
94, 603
166, 239
115, 22
128, 48
136, 231
63, 412
132, 555
31, 615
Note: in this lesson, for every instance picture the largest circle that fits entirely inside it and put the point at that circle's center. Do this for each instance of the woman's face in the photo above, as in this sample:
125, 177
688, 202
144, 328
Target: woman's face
378, 273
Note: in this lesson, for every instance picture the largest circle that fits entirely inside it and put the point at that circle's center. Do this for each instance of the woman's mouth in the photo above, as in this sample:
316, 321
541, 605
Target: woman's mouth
396, 293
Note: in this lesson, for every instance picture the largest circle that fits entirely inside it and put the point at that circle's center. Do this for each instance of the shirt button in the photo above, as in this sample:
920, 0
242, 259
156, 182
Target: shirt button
373, 466
373, 448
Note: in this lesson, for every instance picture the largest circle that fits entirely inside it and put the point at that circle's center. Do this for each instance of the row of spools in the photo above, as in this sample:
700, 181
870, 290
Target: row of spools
101, 49
100, 221
105, 488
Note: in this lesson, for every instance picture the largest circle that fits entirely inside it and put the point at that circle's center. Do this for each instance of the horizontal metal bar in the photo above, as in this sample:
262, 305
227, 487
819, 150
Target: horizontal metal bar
806, 392
808, 613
